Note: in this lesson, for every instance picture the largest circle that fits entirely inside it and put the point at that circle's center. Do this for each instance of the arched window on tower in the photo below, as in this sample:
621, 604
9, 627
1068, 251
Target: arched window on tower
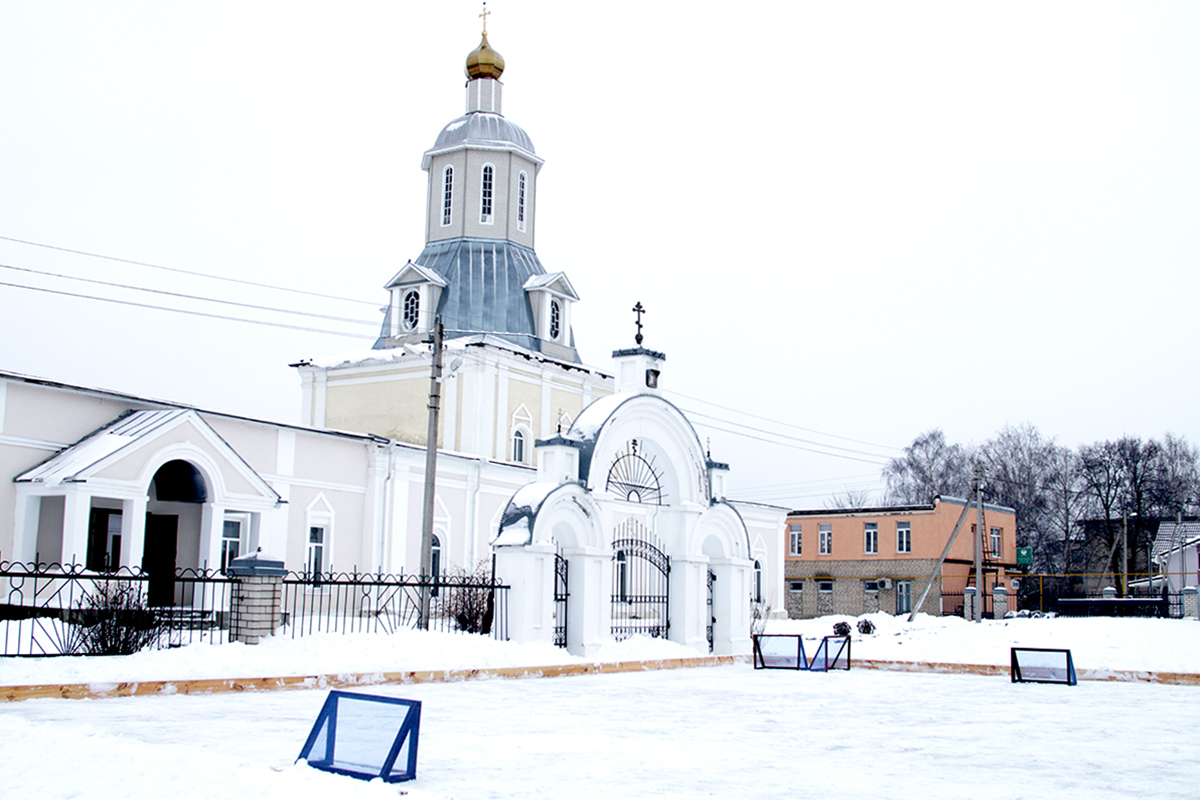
435, 564
518, 447
485, 197
757, 581
447, 194
521, 202
412, 309
555, 319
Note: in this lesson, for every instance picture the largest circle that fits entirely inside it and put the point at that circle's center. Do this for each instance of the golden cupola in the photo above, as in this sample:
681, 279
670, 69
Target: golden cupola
484, 62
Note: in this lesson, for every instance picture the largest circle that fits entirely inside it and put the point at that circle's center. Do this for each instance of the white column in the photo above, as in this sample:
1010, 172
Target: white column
529, 571
212, 519
689, 602
133, 531
731, 606
27, 516
589, 606
76, 516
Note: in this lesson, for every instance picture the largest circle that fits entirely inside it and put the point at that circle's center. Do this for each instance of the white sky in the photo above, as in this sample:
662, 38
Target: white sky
866, 219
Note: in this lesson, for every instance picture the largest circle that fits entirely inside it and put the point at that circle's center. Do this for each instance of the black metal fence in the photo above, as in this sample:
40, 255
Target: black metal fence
360, 603
52, 609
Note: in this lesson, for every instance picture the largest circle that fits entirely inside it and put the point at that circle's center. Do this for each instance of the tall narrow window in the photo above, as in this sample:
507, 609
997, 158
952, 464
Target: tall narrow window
485, 197
521, 202
996, 542
518, 453
903, 597
870, 537
315, 561
825, 541
447, 195
757, 581
231, 542
795, 540
903, 537
622, 577
555, 319
435, 563
412, 309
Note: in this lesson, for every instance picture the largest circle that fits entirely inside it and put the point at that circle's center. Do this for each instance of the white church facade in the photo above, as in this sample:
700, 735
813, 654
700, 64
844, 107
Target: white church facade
602, 510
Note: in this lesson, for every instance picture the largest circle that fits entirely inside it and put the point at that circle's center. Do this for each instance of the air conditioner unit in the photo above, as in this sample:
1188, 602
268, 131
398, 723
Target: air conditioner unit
885, 583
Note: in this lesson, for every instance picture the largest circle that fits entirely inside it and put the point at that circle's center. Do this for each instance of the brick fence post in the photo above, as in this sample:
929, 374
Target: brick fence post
1191, 603
257, 597
970, 604
999, 602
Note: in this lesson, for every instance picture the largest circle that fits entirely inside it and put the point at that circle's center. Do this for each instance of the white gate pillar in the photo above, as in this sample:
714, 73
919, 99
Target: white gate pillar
689, 602
589, 604
133, 531
529, 572
731, 605
25, 526
77, 514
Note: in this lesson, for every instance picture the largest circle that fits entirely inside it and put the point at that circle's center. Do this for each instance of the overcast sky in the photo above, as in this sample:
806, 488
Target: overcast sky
864, 219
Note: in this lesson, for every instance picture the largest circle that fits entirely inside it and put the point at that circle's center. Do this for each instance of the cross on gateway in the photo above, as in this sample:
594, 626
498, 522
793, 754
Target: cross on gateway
639, 311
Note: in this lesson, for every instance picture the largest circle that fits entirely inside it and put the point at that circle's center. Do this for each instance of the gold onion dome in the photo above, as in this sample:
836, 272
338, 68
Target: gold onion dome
484, 62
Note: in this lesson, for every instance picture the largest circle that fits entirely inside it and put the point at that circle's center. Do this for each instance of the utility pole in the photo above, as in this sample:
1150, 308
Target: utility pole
979, 581
435, 386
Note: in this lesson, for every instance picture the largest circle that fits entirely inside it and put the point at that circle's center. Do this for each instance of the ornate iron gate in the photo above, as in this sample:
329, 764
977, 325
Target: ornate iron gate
561, 594
711, 619
641, 580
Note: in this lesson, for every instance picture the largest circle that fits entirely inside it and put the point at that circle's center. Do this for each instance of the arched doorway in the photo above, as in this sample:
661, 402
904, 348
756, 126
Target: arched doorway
174, 515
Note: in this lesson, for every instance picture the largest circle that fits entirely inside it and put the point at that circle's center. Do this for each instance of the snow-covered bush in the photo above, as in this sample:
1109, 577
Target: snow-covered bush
865, 626
841, 629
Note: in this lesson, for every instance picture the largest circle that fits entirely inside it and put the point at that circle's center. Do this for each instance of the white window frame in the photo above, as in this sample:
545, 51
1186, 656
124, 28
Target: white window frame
415, 323
996, 541
522, 423
519, 446
903, 537
795, 540
903, 597
448, 195
242, 520
758, 577
319, 514
796, 587
556, 319
487, 194
825, 539
824, 587
871, 538
522, 183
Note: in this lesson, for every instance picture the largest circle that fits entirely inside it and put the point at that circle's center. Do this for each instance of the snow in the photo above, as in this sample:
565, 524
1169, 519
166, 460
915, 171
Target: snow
730, 731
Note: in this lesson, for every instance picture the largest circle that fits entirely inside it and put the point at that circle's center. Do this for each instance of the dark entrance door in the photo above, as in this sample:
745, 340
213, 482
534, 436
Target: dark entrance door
158, 558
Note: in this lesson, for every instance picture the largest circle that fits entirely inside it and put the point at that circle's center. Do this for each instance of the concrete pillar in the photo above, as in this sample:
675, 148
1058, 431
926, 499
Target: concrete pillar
26, 519
999, 602
589, 607
970, 604
529, 571
731, 606
133, 531
688, 592
1191, 606
77, 514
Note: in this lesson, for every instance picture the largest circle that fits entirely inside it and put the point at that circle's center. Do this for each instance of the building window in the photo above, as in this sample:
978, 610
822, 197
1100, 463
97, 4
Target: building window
622, 577
231, 542
871, 586
314, 563
825, 587
435, 563
447, 194
996, 542
871, 537
825, 539
757, 581
412, 309
555, 319
795, 540
903, 597
521, 202
518, 447
903, 537
485, 196
795, 587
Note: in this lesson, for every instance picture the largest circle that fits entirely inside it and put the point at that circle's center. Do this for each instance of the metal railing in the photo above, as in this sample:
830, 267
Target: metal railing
52, 609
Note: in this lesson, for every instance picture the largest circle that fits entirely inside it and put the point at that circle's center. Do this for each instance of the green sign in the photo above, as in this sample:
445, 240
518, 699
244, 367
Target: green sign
1024, 555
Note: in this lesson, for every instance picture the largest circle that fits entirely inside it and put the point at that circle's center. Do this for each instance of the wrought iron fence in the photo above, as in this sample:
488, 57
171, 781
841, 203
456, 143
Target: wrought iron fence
1073, 594
379, 603
56, 609
52, 609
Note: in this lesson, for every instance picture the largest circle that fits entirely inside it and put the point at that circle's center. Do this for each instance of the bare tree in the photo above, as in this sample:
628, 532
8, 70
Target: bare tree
850, 498
1019, 464
929, 467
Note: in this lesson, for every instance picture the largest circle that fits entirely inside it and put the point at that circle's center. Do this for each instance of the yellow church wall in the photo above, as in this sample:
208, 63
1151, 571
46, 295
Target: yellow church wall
397, 409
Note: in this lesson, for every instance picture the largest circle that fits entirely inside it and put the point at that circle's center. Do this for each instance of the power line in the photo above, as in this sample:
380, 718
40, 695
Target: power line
186, 296
181, 310
793, 446
793, 438
188, 272
786, 424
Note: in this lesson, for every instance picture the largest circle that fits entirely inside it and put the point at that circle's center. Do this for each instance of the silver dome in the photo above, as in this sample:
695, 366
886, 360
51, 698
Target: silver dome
483, 127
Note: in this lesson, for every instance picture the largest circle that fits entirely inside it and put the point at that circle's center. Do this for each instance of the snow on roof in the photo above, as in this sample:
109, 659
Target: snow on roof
69, 463
1174, 535
516, 526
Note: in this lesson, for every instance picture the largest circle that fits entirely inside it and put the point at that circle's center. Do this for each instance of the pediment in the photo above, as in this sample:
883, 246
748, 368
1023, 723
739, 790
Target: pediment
553, 282
125, 454
412, 274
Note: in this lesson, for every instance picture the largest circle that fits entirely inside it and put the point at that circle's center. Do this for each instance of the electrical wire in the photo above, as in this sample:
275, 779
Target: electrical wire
793, 438
187, 272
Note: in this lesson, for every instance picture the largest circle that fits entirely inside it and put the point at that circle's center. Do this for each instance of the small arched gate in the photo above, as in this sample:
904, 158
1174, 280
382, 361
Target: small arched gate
641, 581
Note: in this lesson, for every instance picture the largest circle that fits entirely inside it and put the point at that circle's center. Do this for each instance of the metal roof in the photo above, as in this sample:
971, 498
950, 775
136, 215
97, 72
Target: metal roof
484, 129
485, 289
67, 465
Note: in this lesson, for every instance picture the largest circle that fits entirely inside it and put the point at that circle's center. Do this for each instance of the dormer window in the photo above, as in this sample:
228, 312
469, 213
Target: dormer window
412, 310
555, 319
485, 197
447, 194
521, 202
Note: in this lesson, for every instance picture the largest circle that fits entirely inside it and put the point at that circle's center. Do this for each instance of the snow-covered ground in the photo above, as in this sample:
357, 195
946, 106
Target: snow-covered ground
728, 732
